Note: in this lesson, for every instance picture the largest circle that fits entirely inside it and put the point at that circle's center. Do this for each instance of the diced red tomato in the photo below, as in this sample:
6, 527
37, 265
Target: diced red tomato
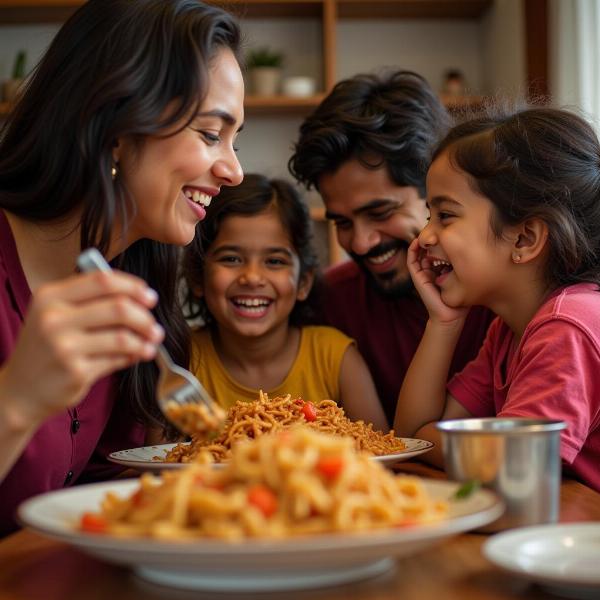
299, 401
406, 523
138, 498
309, 411
284, 437
263, 498
93, 523
330, 466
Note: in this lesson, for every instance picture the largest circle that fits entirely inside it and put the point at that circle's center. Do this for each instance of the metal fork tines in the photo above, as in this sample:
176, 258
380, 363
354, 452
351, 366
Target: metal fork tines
184, 400
180, 396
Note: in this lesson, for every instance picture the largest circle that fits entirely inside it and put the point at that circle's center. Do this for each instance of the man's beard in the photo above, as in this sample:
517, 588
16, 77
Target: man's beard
385, 282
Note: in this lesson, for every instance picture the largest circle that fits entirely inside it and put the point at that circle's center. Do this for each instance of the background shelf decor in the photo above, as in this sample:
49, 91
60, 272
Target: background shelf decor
499, 45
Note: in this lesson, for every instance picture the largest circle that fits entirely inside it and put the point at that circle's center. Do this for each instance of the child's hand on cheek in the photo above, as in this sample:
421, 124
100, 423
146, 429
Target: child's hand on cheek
423, 277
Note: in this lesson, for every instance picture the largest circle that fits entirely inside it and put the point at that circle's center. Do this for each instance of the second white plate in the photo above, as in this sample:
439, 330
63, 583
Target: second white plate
564, 557
151, 458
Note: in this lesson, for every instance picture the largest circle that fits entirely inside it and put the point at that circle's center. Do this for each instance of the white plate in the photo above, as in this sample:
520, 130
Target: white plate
143, 458
565, 558
255, 565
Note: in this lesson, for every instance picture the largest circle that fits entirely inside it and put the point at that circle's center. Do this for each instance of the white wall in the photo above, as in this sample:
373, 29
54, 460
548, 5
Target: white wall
32, 38
574, 61
428, 47
503, 35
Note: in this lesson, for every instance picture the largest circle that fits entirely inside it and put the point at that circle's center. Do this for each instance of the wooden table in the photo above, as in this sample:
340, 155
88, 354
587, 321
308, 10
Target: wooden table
32, 568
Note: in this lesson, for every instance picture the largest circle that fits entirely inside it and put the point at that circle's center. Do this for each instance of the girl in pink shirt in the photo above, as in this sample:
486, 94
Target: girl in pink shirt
514, 226
122, 134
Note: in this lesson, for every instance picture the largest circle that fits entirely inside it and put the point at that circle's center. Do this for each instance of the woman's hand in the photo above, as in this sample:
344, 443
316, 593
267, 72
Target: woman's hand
423, 277
77, 331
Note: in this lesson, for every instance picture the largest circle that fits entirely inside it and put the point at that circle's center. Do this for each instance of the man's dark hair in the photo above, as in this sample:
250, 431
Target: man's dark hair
393, 119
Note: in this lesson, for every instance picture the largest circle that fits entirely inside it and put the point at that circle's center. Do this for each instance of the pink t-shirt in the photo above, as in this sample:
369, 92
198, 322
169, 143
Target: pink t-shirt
63, 447
388, 330
553, 373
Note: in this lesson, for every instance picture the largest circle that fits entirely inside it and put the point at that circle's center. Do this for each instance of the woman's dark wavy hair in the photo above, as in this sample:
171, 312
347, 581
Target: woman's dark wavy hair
538, 163
255, 195
394, 120
110, 72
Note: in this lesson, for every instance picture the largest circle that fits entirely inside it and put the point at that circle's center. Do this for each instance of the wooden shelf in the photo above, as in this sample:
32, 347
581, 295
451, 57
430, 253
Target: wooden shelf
40, 11
39, 3
317, 213
285, 105
257, 105
272, 9
37, 11
412, 9
335, 251
360, 9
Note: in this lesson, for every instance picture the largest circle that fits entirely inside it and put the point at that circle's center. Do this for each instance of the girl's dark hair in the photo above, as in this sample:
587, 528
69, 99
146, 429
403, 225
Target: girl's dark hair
255, 195
393, 119
111, 71
538, 163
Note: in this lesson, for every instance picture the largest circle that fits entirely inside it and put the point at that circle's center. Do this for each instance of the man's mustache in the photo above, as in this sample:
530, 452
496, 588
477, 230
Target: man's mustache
380, 249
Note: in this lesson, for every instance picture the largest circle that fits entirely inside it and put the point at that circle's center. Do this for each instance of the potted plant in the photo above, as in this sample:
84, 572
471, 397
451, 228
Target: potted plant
13, 85
264, 71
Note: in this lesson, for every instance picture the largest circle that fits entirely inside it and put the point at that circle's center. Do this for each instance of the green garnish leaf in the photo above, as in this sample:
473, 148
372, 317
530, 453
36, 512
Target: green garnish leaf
466, 489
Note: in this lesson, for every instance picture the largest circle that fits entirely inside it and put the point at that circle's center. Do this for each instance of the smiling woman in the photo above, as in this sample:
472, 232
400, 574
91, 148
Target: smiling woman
123, 135
183, 170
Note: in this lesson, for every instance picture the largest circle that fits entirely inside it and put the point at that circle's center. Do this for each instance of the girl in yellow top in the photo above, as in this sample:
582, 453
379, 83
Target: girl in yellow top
250, 274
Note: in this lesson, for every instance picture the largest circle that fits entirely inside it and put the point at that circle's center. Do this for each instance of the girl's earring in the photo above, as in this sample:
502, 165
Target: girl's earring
516, 257
113, 171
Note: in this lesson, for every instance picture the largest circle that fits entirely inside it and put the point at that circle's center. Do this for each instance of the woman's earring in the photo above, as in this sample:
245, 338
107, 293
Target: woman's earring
113, 171
516, 257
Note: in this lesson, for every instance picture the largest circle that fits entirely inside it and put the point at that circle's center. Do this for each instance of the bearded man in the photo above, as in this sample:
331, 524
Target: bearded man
366, 149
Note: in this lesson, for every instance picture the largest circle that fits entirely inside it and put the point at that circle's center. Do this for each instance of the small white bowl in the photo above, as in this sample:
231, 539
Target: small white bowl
298, 87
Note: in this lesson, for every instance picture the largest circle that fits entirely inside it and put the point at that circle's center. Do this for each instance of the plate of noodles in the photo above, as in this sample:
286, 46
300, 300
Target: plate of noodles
153, 458
250, 420
295, 509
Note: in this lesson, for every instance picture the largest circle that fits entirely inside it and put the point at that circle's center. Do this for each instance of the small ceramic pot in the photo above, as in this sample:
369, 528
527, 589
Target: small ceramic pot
264, 81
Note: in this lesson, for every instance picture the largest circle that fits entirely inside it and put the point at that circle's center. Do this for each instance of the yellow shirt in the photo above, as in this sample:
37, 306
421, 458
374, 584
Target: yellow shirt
314, 375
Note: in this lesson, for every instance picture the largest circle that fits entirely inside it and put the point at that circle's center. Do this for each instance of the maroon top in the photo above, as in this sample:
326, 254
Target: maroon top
388, 330
62, 448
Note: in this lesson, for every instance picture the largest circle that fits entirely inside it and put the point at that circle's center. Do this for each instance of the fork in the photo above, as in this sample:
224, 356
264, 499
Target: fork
182, 399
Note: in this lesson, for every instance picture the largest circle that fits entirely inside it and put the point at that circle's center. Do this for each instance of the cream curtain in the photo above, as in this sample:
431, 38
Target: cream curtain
575, 55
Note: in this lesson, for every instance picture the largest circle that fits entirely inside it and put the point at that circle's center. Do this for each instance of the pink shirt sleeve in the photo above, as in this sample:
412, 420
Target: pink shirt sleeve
554, 375
557, 377
473, 386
